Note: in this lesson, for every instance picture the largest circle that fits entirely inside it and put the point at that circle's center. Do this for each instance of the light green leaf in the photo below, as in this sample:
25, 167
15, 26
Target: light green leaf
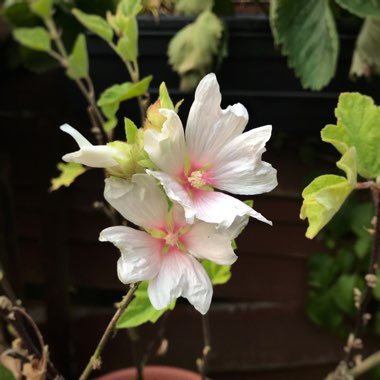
130, 130
111, 98
219, 274
69, 172
193, 49
164, 97
127, 46
193, 7
42, 8
5, 373
361, 8
130, 7
78, 59
140, 310
95, 24
358, 126
307, 34
326, 194
36, 38
366, 57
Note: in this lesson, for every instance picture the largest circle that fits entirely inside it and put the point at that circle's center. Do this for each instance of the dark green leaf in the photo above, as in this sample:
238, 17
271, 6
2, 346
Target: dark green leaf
5, 373
361, 8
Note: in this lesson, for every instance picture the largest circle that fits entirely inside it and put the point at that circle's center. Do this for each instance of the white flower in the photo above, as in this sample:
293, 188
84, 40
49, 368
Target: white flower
166, 252
216, 154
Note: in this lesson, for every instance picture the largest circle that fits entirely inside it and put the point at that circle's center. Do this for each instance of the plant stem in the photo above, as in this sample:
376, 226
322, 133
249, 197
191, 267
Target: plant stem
367, 364
367, 294
95, 360
88, 92
202, 362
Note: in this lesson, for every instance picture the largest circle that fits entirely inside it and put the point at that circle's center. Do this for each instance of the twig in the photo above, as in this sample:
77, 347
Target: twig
367, 364
95, 360
202, 362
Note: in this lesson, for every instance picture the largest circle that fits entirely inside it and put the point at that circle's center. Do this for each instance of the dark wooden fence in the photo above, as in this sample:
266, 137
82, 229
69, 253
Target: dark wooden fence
48, 242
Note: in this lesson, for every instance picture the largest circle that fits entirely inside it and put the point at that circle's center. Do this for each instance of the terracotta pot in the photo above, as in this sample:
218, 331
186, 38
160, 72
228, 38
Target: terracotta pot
152, 373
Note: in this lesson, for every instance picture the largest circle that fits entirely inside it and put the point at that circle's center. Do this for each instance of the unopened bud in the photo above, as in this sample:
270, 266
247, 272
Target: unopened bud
371, 280
163, 348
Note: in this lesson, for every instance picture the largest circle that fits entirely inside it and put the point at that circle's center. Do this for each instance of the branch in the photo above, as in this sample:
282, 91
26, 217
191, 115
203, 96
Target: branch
202, 362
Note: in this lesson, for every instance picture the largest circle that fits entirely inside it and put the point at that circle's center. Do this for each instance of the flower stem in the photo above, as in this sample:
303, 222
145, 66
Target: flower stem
95, 360
367, 293
367, 364
202, 362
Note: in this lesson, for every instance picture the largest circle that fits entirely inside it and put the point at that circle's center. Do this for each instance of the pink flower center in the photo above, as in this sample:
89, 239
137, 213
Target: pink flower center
171, 239
197, 179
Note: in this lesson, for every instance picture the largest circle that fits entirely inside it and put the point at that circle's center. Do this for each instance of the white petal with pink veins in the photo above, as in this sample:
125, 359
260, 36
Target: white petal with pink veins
222, 209
209, 127
167, 148
140, 200
180, 275
237, 168
204, 241
96, 156
140, 253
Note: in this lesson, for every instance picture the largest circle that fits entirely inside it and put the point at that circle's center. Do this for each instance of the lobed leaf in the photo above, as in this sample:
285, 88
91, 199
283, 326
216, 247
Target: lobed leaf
325, 195
358, 126
78, 59
193, 49
36, 38
95, 24
306, 32
140, 310
69, 172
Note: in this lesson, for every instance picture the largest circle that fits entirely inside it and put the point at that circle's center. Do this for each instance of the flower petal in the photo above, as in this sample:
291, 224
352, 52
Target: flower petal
140, 253
96, 156
222, 209
167, 148
176, 192
180, 275
209, 127
204, 241
238, 168
139, 200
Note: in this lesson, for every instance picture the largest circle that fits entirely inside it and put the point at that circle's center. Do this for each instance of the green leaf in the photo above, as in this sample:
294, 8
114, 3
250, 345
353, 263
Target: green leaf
193, 49
307, 34
130, 130
5, 373
95, 24
33, 38
326, 194
69, 172
361, 8
322, 271
366, 57
193, 7
343, 292
358, 126
140, 310
78, 59
164, 97
111, 98
127, 46
219, 274
42, 8
130, 7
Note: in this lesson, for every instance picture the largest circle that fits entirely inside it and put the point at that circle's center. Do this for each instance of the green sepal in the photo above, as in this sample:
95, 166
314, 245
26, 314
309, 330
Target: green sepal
42, 8
140, 310
95, 24
325, 195
78, 59
69, 172
358, 126
219, 274
36, 38
131, 130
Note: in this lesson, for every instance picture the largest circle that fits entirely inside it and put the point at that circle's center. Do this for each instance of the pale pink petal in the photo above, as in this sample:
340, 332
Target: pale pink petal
140, 253
167, 148
209, 127
204, 241
180, 275
238, 167
176, 192
96, 156
139, 200
222, 209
